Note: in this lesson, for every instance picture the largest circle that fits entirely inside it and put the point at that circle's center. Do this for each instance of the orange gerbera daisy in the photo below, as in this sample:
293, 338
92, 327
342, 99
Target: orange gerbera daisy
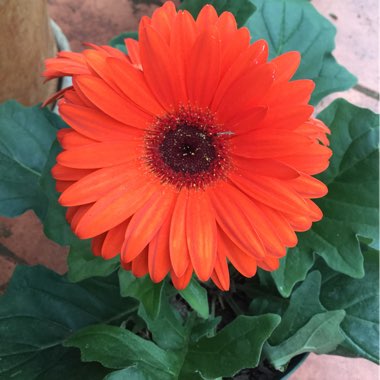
189, 153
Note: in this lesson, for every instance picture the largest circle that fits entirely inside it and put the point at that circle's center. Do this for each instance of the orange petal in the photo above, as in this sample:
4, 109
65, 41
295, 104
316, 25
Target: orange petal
110, 102
282, 118
114, 208
73, 139
68, 174
265, 168
99, 155
70, 212
182, 281
245, 264
283, 229
232, 45
206, 17
256, 54
179, 252
159, 253
140, 264
308, 186
159, 72
295, 92
203, 70
114, 241
133, 50
260, 224
286, 65
81, 211
95, 124
146, 222
163, 18
96, 59
132, 83
97, 243
245, 122
244, 236
201, 234
265, 145
182, 40
97, 184
221, 276
246, 92
271, 192
269, 263
61, 186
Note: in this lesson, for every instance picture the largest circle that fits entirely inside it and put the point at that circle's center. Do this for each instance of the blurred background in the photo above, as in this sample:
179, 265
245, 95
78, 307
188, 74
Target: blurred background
26, 39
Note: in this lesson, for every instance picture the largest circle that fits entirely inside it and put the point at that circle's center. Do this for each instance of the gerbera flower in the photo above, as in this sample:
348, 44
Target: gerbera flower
189, 153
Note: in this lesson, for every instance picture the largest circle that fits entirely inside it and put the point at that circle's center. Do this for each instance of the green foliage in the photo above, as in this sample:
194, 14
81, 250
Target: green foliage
136, 372
83, 264
25, 139
241, 9
143, 289
296, 25
40, 310
235, 347
116, 347
350, 208
196, 296
167, 328
360, 299
306, 326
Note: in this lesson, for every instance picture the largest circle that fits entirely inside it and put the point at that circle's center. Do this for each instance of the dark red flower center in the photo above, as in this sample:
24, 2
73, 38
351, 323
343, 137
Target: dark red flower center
187, 148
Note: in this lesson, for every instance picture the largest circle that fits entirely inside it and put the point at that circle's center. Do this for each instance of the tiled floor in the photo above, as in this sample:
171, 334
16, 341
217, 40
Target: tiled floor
99, 20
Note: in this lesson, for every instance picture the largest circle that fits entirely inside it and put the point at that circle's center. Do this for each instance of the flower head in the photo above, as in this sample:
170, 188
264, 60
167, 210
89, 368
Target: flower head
190, 152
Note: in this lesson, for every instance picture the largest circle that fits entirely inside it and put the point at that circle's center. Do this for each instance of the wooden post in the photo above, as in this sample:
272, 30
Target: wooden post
25, 41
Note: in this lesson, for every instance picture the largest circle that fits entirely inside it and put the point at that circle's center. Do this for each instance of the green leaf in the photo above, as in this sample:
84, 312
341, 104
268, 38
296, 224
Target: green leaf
115, 347
83, 264
304, 304
293, 268
143, 289
306, 326
40, 309
25, 139
320, 335
241, 9
56, 227
296, 25
118, 41
360, 300
204, 328
167, 328
137, 372
196, 296
350, 208
235, 347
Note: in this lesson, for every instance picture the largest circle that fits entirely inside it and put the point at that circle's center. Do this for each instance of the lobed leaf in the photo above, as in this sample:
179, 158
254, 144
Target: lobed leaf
26, 135
360, 299
115, 347
196, 296
235, 347
40, 309
143, 289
